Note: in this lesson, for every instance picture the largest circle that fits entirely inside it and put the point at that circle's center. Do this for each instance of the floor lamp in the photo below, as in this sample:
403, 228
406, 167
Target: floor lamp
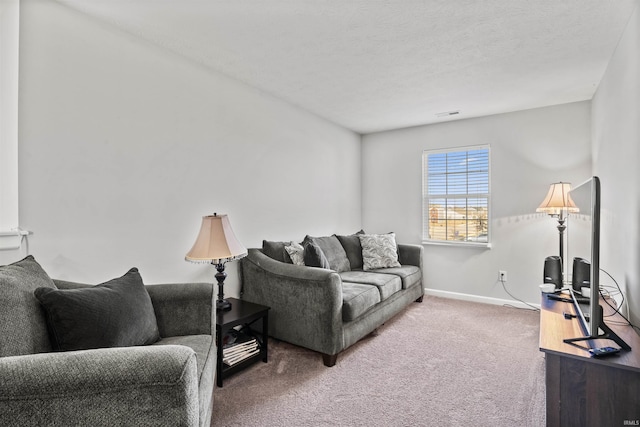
558, 204
217, 244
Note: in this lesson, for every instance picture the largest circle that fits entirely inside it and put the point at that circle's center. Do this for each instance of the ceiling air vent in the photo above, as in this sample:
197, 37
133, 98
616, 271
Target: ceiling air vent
447, 113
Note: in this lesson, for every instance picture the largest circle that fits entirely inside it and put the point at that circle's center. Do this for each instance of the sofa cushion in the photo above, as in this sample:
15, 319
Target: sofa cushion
275, 250
333, 250
357, 298
353, 249
23, 327
314, 256
379, 251
387, 284
117, 313
410, 274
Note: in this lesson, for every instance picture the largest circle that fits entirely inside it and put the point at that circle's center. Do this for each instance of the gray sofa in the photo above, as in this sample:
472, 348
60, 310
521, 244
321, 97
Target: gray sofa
167, 383
329, 309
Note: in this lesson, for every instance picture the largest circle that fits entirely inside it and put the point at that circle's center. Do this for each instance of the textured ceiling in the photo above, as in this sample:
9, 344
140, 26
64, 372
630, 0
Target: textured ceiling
372, 65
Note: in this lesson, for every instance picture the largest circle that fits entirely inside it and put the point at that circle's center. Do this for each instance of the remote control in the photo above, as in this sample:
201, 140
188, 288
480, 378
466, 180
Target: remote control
558, 298
603, 351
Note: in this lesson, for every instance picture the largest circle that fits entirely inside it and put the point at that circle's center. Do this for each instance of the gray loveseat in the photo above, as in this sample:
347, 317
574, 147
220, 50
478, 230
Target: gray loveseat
167, 383
329, 309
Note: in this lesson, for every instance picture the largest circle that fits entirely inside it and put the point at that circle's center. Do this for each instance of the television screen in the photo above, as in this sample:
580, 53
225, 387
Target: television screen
583, 248
583, 229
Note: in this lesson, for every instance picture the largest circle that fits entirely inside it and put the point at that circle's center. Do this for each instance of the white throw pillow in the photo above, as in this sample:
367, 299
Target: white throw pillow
296, 252
379, 251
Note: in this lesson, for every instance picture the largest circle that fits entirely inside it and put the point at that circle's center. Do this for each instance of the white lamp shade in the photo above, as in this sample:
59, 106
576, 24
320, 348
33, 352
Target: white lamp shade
216, 243
558, 200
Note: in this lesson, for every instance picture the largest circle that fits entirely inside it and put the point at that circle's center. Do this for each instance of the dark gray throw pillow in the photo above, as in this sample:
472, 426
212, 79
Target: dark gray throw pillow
275, 250
333, 251
352, 247
314, 257
117, 313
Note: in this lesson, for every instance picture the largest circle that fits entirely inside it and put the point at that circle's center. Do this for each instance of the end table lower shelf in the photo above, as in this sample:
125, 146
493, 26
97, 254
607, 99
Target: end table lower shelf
248, 316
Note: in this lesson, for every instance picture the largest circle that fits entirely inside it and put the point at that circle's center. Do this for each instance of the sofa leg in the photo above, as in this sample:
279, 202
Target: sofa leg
420, 299
329, 359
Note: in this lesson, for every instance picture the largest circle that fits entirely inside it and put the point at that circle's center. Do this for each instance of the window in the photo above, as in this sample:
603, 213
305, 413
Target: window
456, 195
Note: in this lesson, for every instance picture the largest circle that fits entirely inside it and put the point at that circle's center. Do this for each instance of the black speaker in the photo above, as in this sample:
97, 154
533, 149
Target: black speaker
553, 271
581, 277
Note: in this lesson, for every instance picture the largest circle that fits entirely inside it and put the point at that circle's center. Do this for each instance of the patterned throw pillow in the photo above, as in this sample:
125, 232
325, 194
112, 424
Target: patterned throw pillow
296, 252
379, 251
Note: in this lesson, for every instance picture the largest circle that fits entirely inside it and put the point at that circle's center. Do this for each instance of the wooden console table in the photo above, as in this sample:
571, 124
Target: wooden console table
586, 391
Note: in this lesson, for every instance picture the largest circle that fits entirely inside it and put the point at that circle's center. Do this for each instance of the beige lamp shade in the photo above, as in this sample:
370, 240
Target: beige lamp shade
216, 243
558, 200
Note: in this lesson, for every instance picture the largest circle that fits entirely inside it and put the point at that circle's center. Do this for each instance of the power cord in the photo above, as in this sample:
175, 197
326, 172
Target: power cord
504, 286
616, 310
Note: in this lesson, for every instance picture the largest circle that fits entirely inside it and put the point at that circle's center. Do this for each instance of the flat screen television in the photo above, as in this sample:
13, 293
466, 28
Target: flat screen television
583, 233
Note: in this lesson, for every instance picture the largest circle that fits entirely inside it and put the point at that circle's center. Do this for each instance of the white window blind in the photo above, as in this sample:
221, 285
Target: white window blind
456, 195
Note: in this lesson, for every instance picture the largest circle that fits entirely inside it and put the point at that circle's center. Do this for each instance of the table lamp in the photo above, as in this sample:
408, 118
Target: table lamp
557, 204
217, 244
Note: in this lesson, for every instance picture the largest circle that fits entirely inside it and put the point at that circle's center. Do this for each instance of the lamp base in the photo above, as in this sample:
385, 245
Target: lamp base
223, 304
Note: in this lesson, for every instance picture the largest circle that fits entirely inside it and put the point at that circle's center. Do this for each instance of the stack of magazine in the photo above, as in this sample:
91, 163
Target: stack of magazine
238, 347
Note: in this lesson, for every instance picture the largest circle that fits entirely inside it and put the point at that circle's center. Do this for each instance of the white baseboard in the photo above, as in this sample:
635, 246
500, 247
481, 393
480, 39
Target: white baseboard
477, 298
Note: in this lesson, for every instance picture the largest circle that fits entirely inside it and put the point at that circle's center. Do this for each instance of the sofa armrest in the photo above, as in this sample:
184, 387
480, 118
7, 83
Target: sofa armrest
184, 308
153, 385
306, 302
410, 255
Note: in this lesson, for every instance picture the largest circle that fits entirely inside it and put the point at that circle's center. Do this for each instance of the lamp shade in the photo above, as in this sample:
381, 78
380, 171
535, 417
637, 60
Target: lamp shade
216, 243
558, 200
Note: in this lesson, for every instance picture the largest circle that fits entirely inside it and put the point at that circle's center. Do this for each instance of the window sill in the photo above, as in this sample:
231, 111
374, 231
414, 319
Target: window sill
12, 240
474, 245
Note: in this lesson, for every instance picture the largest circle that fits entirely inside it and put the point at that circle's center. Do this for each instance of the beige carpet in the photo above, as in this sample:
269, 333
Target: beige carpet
440, 363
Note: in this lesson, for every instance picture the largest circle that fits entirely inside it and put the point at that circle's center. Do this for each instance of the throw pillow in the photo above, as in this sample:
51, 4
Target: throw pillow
314, 256
117, 313
333, 251
23, 326
352, 247
296, 252
275, 250
379, 251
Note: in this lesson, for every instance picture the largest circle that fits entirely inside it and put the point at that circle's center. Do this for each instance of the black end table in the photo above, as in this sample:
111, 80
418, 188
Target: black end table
245, 314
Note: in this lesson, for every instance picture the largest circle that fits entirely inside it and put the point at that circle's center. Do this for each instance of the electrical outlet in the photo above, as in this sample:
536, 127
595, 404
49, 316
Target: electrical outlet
502, 275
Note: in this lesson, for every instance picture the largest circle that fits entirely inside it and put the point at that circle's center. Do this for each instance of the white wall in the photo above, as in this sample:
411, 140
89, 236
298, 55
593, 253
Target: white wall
9, 47
616, 154
529, 150
125, 146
